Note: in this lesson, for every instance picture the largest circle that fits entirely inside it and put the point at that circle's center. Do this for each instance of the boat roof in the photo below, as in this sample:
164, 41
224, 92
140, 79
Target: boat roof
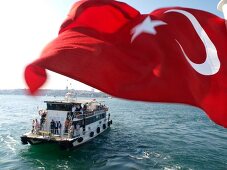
73, 101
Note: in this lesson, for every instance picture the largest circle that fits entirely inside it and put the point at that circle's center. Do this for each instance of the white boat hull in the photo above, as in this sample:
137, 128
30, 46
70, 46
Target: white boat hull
68, 123
68, 143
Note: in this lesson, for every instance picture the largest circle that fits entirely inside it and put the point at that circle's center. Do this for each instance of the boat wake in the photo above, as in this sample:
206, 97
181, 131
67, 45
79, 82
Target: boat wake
10, 142
146, 155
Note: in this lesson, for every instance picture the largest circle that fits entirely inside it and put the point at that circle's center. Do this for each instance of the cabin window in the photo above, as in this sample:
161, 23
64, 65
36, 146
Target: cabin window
94, 118
62, 107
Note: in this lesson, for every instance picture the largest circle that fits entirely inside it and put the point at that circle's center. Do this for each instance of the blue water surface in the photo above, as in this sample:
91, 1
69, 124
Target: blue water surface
143, 136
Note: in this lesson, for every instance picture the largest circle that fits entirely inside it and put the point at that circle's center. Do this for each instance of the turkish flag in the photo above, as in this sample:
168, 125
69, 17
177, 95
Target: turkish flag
175, 55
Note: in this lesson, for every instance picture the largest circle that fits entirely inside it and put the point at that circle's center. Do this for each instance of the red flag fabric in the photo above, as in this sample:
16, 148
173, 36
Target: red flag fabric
175, 55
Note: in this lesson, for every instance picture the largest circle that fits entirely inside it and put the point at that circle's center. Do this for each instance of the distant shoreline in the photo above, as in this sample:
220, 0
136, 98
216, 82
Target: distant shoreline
53, 92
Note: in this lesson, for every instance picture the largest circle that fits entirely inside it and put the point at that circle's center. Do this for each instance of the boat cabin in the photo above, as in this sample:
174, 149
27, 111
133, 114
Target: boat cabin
69, 122
60, 116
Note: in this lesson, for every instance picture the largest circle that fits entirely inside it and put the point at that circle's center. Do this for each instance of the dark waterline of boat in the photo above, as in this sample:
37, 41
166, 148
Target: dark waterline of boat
143, 136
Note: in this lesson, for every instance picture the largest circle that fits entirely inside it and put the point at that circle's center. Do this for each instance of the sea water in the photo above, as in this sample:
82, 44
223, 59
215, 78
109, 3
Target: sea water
143, 136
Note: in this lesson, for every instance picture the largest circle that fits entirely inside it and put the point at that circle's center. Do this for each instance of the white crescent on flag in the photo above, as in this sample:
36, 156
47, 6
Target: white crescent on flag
212, 63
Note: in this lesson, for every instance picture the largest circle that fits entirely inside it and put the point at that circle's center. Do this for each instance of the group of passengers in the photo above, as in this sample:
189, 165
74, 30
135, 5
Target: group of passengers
76, 108
55, 127
36, 125
71, 127
76, 112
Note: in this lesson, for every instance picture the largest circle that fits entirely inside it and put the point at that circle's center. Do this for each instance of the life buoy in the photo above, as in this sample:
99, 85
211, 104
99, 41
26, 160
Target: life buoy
98, 130
91, 134
80, 139
104, 126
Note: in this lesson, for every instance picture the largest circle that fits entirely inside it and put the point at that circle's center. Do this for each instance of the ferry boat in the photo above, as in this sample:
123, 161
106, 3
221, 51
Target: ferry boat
68, 123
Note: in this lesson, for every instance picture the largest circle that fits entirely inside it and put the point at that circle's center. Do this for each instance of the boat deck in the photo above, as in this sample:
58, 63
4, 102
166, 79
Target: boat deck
48, 136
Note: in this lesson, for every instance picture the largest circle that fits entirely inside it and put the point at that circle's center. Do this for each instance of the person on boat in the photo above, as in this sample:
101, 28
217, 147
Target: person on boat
71, 131
33, 126
42, 123
70, 115
66, 125
59, 128
52, 126
42, 120
74, 115
37, 126
56, 128
74, 108
78, 108
85, 107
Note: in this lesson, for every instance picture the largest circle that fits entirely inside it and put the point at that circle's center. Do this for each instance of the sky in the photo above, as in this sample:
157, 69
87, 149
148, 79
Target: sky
28, 25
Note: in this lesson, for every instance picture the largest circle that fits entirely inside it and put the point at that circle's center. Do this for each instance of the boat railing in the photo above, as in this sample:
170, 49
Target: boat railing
88, 113
45, 133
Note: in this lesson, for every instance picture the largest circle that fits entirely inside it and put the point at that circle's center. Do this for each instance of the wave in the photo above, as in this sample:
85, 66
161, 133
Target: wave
9, 142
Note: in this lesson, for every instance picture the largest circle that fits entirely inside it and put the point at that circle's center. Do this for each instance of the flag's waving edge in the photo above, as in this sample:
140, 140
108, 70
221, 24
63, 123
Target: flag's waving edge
105, 16
35, 77
83, 23
170, 55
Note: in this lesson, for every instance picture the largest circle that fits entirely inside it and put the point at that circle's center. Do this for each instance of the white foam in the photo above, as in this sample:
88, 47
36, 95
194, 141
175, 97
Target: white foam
177, 167
10, 142
146, 155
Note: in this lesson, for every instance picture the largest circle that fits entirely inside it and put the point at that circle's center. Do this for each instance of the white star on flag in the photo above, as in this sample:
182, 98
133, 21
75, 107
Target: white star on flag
147, 26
